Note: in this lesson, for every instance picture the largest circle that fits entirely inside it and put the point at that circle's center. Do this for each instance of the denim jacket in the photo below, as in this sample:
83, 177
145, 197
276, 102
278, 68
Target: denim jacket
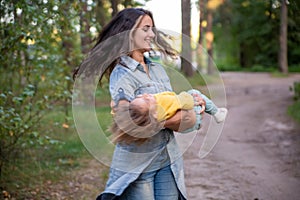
127, 80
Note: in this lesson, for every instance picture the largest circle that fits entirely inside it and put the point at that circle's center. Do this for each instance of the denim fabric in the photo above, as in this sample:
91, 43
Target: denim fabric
158, 185
131, 162
130, 78
210, 108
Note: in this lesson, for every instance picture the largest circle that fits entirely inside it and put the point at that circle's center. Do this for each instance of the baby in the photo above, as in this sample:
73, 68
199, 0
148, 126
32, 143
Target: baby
146, 109
164, 105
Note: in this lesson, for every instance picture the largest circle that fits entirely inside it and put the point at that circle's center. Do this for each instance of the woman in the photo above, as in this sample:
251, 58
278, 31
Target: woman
148, 168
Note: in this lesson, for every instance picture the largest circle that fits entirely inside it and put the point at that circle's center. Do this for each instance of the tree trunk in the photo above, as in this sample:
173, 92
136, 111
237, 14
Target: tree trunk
209, 41
242, 55
114, 6
201, 32
101, 13
283, 62
85, 28
127, 3
68, 47
201, 18
186, 54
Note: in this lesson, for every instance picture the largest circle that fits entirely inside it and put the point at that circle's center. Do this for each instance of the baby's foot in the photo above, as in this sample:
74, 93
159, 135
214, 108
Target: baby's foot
220, 115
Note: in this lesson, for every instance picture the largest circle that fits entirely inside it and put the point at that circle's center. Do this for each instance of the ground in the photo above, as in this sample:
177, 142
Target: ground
258, 153
257, 156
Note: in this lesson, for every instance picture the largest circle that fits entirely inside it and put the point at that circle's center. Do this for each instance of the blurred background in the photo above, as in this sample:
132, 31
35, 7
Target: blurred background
43, 41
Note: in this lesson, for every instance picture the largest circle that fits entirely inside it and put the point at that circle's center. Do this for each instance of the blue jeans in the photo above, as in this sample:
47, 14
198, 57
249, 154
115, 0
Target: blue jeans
156, 185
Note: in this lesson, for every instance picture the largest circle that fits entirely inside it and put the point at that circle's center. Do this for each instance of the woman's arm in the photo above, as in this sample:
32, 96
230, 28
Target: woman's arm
182, 120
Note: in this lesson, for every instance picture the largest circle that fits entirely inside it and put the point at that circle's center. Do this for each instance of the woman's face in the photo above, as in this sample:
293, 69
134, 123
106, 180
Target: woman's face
143, 35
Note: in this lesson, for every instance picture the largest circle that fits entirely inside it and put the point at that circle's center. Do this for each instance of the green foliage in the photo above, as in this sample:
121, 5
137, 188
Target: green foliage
294, 110
35, 75
224, 66
105, 118
19, 120
247, 34
260, 68
296, 90
58, 151
294, 68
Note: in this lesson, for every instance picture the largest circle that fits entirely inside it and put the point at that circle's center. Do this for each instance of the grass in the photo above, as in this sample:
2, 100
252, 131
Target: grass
294, 111
294, 68
256, 68
277, 74
104, 118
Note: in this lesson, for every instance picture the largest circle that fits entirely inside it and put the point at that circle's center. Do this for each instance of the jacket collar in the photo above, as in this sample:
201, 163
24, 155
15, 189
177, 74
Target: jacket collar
132, 64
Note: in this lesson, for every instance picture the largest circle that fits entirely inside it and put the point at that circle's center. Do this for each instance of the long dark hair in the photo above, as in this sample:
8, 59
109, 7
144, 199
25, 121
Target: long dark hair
133, 125
113, 42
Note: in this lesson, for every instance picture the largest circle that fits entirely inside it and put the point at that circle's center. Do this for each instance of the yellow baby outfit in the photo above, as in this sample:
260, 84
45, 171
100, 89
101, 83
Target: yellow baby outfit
168, 103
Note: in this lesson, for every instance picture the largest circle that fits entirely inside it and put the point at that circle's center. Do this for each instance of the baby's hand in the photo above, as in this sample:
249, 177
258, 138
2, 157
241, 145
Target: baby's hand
199, 101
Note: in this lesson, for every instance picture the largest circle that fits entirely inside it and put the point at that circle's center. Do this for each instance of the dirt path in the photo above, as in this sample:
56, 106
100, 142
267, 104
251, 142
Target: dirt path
256, 157
258, 154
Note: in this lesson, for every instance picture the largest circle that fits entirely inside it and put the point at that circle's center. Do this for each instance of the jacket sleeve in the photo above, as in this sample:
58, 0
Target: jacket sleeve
121, 85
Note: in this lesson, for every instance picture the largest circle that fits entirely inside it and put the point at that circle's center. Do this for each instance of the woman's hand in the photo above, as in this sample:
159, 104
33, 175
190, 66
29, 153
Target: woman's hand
182, 120
112, 105
185, 119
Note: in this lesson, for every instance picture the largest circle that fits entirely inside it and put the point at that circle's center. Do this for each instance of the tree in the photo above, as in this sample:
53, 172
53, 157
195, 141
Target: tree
201, 7
283, 61
85, 28
132, 3
186, 56
125, 3
212, 5
114, 6
37, 54
246, 34
209, 36
68, 35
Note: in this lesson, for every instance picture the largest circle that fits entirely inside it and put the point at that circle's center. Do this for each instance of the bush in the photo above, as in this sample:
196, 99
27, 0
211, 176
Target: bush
35, 71
296, 90
294, 68
20, 116
294, 110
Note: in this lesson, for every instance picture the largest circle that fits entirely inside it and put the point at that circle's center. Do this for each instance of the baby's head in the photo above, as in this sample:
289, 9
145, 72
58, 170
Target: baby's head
136, 122
145, 103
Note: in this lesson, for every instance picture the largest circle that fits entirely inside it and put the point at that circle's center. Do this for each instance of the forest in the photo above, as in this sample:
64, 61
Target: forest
43, 41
